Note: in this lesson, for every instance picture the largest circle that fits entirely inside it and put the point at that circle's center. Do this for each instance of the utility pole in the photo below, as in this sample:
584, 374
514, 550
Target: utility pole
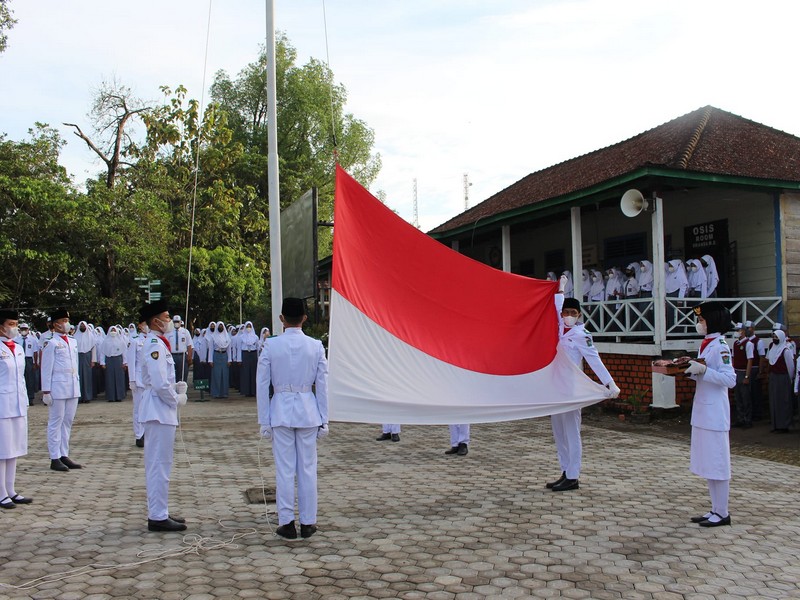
466, 190
416, 206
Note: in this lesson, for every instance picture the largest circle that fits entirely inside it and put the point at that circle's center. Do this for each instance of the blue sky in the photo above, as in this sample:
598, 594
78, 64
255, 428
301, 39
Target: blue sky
493, 89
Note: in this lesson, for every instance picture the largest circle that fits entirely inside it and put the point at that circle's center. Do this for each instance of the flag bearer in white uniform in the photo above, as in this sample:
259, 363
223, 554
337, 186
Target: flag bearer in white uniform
13, 409
295, 416
578, 345
60, 390
711, 410
158, 411
133, 358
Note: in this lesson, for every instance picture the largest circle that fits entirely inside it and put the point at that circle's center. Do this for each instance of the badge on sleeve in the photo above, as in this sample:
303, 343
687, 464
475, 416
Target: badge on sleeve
154, 355
589, 341
726, 359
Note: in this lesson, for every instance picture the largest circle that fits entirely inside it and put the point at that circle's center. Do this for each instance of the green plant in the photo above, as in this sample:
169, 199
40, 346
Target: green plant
636, 401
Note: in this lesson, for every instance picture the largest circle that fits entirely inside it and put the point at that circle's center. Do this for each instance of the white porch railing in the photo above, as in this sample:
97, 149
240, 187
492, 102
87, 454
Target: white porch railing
634, 319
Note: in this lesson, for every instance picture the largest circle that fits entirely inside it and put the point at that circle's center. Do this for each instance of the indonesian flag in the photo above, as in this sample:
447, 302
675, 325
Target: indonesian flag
421, 334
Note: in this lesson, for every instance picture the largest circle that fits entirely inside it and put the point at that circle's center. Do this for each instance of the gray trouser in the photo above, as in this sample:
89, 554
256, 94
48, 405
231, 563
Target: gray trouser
741, 399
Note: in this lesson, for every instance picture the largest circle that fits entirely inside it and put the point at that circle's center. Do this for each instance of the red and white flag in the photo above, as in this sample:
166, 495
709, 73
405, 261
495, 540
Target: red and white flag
421, 334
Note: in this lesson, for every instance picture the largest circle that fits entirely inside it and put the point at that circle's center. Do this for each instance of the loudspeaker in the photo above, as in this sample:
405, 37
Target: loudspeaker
632, 203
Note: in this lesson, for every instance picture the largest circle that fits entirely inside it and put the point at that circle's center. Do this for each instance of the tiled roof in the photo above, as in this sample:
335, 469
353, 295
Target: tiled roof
707, 140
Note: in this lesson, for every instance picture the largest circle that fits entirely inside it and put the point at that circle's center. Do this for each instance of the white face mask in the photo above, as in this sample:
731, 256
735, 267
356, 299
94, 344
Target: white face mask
12, 332
643, 269
65, 327
701, 328
671, 269
570, 321
113, 333
169, 327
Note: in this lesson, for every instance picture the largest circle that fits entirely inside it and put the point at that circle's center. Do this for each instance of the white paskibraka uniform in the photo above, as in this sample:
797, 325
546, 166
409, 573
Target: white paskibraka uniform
60, 378
294, 362
578, 345
158, 411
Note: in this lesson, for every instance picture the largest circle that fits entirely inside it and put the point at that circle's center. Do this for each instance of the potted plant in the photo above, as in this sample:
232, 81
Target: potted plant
639, 412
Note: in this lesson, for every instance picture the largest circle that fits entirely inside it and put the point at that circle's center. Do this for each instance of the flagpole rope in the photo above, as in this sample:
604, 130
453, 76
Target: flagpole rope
330, 85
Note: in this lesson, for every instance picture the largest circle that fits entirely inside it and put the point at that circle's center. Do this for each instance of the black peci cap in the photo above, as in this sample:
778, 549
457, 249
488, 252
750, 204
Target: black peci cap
293, 308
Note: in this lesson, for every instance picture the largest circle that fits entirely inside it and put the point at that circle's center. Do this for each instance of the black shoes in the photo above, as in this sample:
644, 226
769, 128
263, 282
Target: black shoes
17, 499
452, 450
70, 464
383, 437
551, 484
462, 449
57, 465
287, 531
699, 519
177, 519
7, 503
567, 484
395, 437
168, 524
720, 523
140, 442
306, 531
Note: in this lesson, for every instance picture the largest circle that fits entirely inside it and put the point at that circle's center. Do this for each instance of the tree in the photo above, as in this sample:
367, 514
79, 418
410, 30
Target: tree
312, 125
112, 110
7, 22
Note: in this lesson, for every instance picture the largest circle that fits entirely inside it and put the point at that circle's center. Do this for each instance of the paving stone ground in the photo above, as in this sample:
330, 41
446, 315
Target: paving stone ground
396, 520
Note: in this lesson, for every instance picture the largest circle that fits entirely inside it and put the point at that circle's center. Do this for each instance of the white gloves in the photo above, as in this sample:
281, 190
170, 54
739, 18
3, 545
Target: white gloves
562, 283
266, 432
47, 399
613, 389
323, 431
695, 368
182, 399
181, 387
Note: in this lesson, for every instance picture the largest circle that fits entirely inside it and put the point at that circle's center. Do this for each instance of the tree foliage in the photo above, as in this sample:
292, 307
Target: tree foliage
7, 21
197, 179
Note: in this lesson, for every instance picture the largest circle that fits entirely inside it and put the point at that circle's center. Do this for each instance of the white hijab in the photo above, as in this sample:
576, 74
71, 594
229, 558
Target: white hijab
587, 282
676, 279
645, 276
114, 345
551, 276
85, 339
697, 277
221, 337
711, 274
598, 287
568, 289
615, 283
776, 350
246, 338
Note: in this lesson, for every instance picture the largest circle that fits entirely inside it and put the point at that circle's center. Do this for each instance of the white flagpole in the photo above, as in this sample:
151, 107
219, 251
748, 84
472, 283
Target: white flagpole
276, 274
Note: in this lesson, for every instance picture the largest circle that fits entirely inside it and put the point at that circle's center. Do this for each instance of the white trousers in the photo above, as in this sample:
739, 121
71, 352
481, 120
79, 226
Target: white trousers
158, 450
459, 434
295, 453
59, 426
138, 426
391, 428
567, 436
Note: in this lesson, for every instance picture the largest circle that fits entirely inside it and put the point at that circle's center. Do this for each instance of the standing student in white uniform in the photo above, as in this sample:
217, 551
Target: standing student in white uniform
711, 410
60, 390
13, 409
578, 345
134, 360
295, 417
181, 342
159, 413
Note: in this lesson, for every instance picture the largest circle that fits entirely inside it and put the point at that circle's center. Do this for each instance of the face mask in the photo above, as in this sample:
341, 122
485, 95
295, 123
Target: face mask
65, 327
169, 327
570, 321
144, 329
740, 333
671, 269
113, 333
701, 328
643, 269
248, 329
24, 333
12, 332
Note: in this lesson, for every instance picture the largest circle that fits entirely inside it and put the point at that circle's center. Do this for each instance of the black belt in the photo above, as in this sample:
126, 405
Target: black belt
221, 351
248, 351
